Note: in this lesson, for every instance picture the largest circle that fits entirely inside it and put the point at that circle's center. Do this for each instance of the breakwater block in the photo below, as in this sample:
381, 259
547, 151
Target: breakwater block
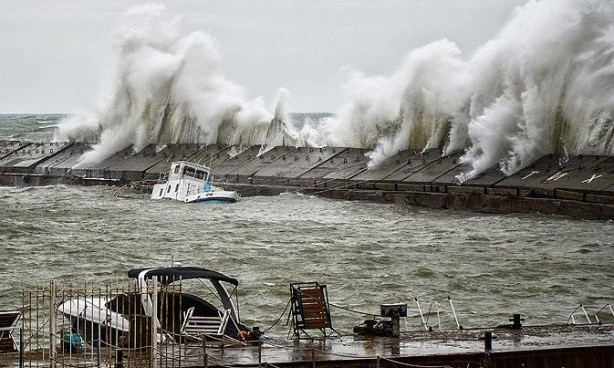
292, 164
231, 168
415, 162
124, 165
488, 178
580, 173
370, 178
8, 147
27, 156
61, 163
247, 172
165, 155
434, 171
350, 162
212, 155
337, 159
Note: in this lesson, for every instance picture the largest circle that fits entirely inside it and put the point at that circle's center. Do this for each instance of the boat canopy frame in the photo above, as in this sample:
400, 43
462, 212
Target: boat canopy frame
171, 274
168, 275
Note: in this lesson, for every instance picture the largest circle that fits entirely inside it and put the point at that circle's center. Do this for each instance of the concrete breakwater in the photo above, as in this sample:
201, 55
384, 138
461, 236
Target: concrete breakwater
579, 186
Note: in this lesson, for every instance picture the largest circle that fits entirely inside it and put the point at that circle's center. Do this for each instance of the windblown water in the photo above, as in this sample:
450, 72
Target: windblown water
490, 265
543, 85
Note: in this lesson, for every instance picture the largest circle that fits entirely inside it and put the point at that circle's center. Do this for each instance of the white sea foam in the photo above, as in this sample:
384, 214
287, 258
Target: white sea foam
545, 84
168, 88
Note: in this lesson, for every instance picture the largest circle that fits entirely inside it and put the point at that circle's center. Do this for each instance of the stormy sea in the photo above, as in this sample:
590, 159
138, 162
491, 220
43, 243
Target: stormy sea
368, 254
542, 85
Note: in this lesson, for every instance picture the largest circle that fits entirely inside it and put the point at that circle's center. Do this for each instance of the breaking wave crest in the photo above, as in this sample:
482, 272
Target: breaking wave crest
168, 88
544, 85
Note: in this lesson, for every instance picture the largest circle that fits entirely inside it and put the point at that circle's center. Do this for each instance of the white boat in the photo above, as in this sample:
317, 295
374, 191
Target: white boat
179, 315
190, 182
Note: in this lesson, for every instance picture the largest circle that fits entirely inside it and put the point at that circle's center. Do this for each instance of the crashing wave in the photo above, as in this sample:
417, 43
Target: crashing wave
544, 84
168, 89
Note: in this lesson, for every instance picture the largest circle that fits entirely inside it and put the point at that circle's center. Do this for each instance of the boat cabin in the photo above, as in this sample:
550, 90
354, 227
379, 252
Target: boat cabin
191, 182
188, 170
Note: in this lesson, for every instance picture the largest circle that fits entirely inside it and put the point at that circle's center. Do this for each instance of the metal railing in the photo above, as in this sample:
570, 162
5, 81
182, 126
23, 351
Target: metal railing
105, 326
601, 312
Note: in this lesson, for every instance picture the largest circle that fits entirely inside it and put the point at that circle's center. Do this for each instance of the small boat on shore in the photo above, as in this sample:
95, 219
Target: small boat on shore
178, 314
190, 182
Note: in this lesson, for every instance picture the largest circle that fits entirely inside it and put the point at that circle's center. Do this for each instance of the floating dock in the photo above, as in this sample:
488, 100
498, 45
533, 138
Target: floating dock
580, 186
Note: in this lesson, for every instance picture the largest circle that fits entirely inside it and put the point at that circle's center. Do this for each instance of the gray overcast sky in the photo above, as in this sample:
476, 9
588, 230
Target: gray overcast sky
54, 53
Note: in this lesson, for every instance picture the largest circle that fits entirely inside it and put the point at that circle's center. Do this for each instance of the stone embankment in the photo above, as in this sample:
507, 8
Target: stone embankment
579, 186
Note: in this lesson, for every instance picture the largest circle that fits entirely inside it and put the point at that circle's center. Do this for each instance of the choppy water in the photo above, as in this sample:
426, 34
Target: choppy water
28, 127
367, 253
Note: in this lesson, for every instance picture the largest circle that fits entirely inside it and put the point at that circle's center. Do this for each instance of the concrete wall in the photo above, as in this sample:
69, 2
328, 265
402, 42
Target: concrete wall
580, 186
577, 357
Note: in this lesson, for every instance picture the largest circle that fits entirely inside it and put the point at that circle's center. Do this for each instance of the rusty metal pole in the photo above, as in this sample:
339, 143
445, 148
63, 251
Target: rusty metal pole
154, 323
205, 356
313, 357
21, 362
52, 325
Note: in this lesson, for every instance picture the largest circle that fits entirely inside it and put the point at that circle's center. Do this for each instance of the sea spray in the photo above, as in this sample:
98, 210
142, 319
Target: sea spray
538, 62
279, 132
168, 89
543, 85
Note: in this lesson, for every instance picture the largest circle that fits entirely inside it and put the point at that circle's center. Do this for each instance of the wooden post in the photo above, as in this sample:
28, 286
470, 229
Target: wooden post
488, 341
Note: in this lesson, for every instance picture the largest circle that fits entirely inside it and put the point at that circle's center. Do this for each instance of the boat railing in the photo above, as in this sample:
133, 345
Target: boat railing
572, 315
608, 306
434, 308
605, 311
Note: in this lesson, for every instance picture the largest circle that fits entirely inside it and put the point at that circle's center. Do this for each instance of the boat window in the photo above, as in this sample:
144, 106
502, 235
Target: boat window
168, 189
176, 187
189, 171
161, 190
176, 169
199, 174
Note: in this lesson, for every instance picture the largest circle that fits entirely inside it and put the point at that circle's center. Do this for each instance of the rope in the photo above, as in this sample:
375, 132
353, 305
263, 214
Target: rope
351, 310
343, 355
279, 318
415, 365
221, 361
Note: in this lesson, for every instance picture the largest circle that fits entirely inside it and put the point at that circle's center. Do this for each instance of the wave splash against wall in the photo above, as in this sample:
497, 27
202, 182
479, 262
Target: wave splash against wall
544, 85
168, 88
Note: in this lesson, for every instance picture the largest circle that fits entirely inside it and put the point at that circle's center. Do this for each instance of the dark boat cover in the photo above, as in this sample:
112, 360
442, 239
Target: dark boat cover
170, 274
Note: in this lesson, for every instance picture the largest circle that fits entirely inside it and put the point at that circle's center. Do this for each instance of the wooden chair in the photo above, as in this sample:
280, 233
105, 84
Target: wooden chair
310, 309
211, 328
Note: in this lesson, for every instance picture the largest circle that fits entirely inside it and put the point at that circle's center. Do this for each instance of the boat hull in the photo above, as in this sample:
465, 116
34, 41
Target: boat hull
213, 197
